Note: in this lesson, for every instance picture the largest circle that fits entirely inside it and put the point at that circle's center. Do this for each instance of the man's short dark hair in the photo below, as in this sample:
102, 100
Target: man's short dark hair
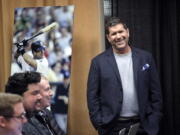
18, 83
112, 21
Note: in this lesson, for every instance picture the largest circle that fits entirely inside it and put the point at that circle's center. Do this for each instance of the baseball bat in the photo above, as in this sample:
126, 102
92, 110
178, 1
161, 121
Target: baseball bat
43, 30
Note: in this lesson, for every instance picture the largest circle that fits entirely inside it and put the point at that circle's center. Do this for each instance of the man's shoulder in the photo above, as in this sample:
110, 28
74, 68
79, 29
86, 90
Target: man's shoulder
35, 126
29, 128
102, 54
141, 51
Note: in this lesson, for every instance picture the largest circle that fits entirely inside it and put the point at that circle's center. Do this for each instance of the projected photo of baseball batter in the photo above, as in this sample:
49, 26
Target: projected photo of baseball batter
42, 43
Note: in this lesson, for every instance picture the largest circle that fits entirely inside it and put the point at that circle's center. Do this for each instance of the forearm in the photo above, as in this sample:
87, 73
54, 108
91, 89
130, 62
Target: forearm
28, 59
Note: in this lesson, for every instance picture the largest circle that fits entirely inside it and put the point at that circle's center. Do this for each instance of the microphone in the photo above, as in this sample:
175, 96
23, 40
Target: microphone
46, 29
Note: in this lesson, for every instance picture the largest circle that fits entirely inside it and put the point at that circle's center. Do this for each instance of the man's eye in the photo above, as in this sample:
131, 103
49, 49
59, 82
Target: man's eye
35, 92
113, 34
47, 89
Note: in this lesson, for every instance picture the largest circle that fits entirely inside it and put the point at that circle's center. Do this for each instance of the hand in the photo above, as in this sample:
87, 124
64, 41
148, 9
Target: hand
21, 44
21, 50
64, 98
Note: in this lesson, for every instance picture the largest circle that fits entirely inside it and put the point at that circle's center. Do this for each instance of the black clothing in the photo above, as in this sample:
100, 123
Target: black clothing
59, 106
42, 123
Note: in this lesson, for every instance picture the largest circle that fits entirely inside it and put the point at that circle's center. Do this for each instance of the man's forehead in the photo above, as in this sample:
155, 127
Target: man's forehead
33, 85
119, 25
18, 107
43, 80
44, 83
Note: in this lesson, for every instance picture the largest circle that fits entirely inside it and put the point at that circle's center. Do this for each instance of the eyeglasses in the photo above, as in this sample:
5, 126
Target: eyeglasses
22, 116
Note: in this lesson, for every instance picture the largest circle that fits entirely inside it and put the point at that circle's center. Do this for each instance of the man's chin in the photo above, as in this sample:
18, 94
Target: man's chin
120, 48
37, 109
121, 45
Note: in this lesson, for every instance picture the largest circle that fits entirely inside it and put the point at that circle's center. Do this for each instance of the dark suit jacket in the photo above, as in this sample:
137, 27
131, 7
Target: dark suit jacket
104, 90
37, 126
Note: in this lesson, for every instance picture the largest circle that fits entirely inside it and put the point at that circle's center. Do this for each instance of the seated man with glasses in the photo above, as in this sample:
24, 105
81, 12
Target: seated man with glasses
12, 114
28, 84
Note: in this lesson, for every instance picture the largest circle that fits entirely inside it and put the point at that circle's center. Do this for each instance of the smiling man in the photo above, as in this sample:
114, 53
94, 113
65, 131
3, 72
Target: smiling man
37, 94
46, 92
123, 86
12, 114
45, 116
27, 85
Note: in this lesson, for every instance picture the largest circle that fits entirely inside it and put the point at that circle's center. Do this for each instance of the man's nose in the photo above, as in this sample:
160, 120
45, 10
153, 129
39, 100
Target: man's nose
118, 35
39, 96
51, 92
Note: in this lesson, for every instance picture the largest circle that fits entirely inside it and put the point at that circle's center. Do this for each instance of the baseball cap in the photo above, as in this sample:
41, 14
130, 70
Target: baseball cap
37, 46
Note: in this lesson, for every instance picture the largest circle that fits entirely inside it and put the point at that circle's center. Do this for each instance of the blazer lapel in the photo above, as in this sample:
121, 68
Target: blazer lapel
112, 62
136, 62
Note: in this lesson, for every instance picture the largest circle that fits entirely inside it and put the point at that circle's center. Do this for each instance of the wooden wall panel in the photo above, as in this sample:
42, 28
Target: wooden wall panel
87, 42
1, 49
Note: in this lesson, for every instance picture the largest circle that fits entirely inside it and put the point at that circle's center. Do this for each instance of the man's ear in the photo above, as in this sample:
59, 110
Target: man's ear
128, 31
2, 121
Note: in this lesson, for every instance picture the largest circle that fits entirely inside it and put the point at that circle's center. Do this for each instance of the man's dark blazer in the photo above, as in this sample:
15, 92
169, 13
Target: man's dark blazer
37, 126
105, 93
